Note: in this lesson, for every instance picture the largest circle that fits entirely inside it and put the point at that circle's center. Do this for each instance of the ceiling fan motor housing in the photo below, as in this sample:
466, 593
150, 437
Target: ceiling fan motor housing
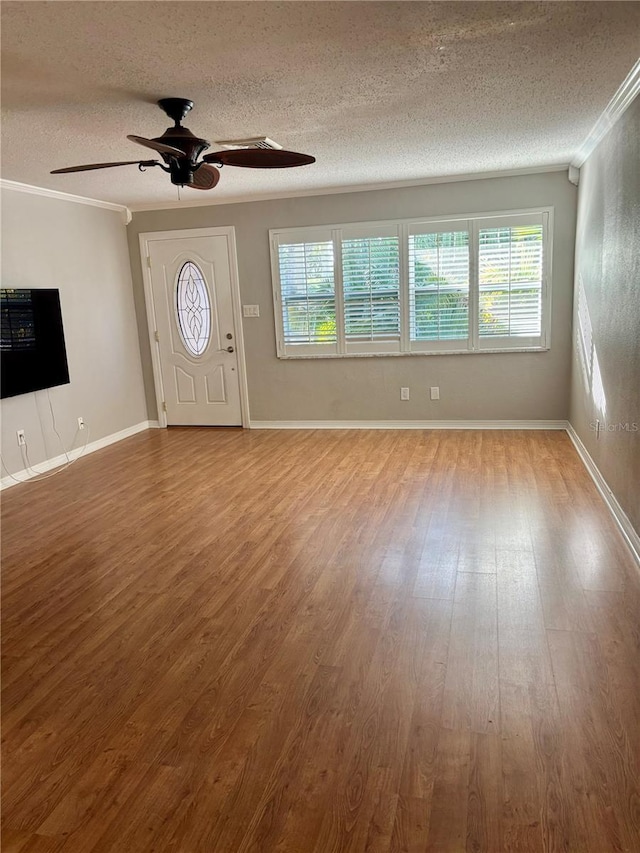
181, 137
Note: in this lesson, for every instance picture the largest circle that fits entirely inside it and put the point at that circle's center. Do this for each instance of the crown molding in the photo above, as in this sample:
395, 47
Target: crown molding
16, 186
623, 98
346, 189
315, 191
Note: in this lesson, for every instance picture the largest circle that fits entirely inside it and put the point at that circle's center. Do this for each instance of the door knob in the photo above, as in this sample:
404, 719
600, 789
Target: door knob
227, 349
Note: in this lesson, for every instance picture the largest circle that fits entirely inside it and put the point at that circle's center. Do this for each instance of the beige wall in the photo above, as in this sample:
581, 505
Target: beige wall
486, 386
606, 354
82, 251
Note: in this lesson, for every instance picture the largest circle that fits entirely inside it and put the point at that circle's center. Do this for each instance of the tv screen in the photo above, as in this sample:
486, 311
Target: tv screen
32, 350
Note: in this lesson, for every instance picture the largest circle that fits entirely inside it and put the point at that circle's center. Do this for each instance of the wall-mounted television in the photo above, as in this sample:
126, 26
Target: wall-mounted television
32, 350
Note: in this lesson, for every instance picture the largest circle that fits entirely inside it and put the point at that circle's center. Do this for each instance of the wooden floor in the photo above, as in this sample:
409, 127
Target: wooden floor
219, 641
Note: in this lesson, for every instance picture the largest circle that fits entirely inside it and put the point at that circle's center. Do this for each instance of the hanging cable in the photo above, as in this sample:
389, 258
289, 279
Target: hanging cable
44, 475
36, 476
55, 429
15, 479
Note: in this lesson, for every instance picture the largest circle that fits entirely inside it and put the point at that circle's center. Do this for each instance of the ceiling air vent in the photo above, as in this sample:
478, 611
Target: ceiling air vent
253, 142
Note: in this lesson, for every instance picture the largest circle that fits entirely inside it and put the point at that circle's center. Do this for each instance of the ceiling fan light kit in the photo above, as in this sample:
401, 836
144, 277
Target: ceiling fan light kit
183, 158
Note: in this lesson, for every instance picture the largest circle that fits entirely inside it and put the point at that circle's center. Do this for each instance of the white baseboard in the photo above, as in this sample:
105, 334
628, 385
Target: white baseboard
49, 464
621, 518
408, 424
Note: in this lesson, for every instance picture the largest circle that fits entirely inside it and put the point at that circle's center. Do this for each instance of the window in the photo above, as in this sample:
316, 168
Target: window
370, 278
308, 292
193, 309
370, 263
450, 285
439, 286
510, 281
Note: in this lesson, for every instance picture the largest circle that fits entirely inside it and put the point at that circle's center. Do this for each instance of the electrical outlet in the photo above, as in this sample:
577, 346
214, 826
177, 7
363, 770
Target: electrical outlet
404, 393
21, 439
435, 392
80, 423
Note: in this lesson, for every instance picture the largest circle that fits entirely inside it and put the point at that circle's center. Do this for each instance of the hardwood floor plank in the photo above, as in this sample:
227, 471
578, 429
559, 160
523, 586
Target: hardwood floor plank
421, 655
615, 619
115, 774
596, 824
318, 781
346, 822
596, 561
484, 793
411, 825
605, 760
450, 800
437, 572
522, 642
471, 685
577, 659
557, 816
521, 804
21, 842
535, 813
270, 809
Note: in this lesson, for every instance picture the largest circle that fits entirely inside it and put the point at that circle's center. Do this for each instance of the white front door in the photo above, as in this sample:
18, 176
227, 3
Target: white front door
194, 329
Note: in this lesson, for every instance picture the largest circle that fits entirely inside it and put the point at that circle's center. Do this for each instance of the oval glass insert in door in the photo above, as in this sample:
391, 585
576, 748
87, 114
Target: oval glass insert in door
193, 309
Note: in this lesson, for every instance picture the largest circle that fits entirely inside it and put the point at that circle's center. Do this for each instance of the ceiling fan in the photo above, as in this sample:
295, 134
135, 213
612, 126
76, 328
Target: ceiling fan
181, 151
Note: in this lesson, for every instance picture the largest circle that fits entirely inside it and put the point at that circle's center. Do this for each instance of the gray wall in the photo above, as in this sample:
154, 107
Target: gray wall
606, 367
486, 386
81, 250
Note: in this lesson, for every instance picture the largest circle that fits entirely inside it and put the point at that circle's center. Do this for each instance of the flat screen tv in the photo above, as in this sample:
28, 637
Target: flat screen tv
32, 350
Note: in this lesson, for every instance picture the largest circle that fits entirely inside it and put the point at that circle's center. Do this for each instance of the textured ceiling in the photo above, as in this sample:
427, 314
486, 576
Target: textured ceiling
378, 92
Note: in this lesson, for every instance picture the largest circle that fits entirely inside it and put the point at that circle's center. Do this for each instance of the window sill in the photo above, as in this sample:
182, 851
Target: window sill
289, 356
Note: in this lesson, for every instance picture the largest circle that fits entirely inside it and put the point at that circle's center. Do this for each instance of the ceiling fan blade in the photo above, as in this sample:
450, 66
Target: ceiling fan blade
205, 177
157, 146
259, 158
91, 166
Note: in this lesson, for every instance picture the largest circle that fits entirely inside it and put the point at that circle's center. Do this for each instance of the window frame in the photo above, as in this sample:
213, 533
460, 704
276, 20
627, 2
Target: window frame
473, 344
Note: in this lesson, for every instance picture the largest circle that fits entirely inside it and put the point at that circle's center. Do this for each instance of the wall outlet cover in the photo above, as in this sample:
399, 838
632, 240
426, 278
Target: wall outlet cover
250, 310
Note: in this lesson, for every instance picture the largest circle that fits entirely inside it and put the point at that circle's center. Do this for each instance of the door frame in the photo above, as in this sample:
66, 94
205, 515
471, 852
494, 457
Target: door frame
227, 231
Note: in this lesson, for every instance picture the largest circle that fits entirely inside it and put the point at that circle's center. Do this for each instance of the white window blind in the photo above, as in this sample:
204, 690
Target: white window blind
307, 292
371, 289
458, 284
439, 286
510, 281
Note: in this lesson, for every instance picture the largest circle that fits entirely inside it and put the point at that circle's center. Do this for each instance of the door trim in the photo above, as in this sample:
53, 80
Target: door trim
229, 232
